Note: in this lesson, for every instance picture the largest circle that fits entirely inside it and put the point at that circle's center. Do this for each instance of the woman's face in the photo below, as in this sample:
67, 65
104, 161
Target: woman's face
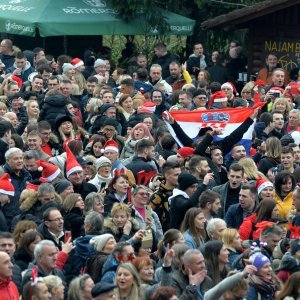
58, 292
275, 212
11, 143
34, 243
223, 256
141, 197
287, 186
146, 273
121, 185
180, 240
214, 56
246, 94
110, 245
120, 218
265, 272
124, 279
281, 107
79, 203
237, 242
33, 109
87, 290
104, 171
3, 111
201, 76
66, 127
138, 133
99, 207
128, 104
114, 75
199, 221
97, 147
148, 122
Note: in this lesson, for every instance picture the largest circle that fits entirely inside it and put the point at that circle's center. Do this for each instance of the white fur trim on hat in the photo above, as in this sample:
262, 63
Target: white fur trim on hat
111, 148
263, 186
79, 64
216, 100
227, 85
10, 193
73, 170
53, 176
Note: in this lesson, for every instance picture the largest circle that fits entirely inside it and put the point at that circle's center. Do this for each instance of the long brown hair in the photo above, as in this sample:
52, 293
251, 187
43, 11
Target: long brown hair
264, 210
189, 224
291, 287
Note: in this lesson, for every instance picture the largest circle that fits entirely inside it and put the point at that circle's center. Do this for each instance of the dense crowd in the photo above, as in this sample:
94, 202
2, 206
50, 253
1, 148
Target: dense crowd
99, 201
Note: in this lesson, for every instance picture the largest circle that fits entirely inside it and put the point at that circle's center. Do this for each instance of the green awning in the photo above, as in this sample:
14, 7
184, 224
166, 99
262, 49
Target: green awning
79, 17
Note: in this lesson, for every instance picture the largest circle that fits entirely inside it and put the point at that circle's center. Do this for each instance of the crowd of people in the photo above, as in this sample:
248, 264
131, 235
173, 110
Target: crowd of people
99, 201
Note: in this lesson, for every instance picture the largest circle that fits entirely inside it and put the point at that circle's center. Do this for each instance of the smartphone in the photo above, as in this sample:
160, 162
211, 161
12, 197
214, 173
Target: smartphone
276, 94
156, 156
258, 142
102, 186
67, 235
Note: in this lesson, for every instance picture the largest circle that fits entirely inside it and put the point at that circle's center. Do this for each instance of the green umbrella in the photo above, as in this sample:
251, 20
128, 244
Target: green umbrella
79, 17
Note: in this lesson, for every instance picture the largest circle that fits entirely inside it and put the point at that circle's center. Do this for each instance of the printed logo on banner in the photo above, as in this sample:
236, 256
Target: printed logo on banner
95, 3
215, 117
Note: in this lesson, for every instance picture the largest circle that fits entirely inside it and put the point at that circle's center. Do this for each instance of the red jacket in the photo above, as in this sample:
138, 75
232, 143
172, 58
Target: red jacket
247, 230
8, 290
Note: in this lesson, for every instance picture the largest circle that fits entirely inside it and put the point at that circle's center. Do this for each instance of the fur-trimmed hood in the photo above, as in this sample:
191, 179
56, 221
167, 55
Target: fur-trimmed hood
110, 226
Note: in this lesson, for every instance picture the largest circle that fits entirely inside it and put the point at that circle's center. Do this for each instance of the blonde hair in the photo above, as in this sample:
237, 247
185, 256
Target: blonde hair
120, 207
52, 281
28, 105
250, 169
228, 236
135, 292
273, 147
3, 105
70, 201
285, 101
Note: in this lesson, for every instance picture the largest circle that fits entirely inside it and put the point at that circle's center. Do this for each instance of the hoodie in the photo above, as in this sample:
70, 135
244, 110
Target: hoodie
26, 71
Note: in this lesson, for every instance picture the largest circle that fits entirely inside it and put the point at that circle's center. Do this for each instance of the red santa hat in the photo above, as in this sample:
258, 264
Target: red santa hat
31, 186
77, 62
111, 145
49, 171
259, 82
229, 85
217, 97
186, 151
72, 164
262, 183
6, 186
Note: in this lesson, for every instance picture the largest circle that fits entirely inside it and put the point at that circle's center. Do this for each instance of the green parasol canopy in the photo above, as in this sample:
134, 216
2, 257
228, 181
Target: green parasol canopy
79, 17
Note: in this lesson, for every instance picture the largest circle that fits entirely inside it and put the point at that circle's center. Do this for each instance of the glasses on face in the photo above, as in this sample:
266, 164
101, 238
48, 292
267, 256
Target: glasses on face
57, 219
109, 129
143, 194
245, 92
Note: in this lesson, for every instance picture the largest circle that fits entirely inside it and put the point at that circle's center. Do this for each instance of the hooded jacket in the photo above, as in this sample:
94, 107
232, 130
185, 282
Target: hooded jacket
8, 290
26, 71
110, 200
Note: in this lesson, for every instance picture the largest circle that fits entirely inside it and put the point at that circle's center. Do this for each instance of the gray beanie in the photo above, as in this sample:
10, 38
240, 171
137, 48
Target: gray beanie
99, 62
98, 242
67, 66
102, 161
61, 185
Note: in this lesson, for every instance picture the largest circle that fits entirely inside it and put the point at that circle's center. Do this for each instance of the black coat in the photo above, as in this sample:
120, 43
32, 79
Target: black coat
84, 189
139, 164
220, 74
22, 258
3, 149
74, 221
43, 230
109, 201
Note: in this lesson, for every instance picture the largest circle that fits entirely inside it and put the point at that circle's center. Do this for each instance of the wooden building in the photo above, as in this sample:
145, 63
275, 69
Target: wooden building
274, 27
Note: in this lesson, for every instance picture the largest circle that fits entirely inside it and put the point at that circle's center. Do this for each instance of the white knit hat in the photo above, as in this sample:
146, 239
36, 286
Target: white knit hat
99, 241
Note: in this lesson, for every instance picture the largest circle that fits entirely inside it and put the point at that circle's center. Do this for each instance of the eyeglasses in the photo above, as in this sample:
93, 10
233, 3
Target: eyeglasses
246, 92
56, 220
143, 194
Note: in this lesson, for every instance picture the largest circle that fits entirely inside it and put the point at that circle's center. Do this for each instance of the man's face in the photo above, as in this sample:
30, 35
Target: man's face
111, 155
12, 119
217, 157
45, 134
108, 98
278, 121
287, 160
294, 119
30, 164
55, 223
196, 263
238, 152
278, 78
8, 246
4, 48
76, 178
191, 189
46, 75
246, 199
20, 63
34, 142
15, 161
48, 258
220, 227
203, 168
111, 113
198, 50
158, 52
40, 55
272, 241
109, 130
6, 265
142, 62
215, 207
91, 87
172, 176
66, 89
184, 101
157, 98
37, 85
106, 296
174, 70
200, 100
155, 74
13, 89
228, 92
272, 61
235, 178
296, 153
53, 84
46, 197
127, 254
149, 153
